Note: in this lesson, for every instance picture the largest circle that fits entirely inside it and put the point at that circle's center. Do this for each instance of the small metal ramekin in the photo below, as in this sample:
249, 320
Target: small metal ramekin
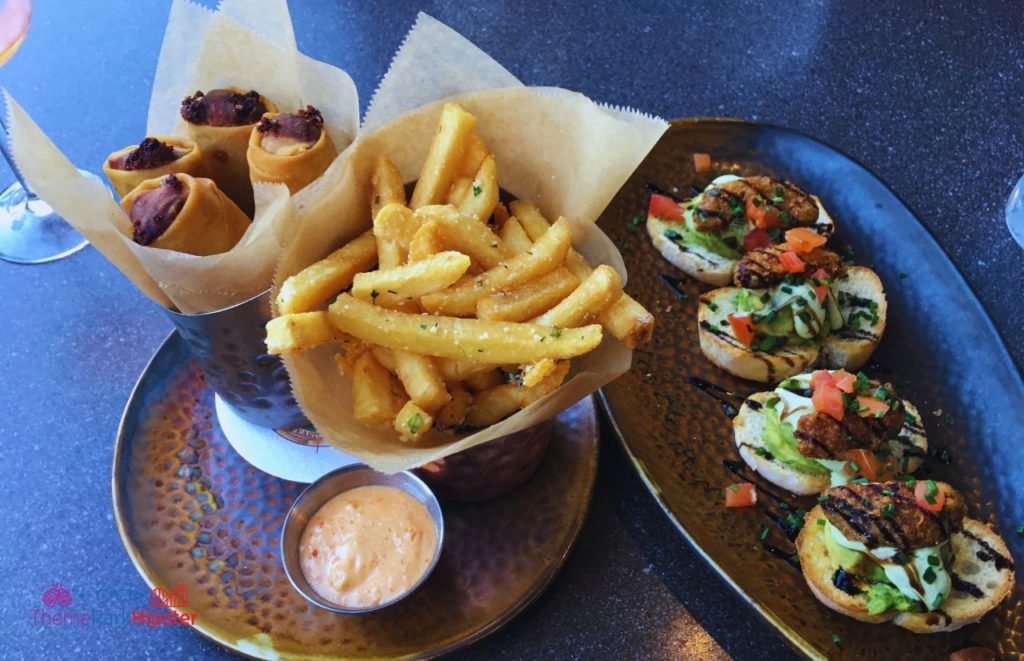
327, 487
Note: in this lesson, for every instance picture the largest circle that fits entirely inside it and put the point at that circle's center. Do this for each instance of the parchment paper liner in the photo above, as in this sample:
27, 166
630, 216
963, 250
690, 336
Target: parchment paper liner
554, 147
201, 50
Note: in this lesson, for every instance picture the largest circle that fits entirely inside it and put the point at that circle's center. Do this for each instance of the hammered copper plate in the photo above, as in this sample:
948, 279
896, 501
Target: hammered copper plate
954, 367
192, 512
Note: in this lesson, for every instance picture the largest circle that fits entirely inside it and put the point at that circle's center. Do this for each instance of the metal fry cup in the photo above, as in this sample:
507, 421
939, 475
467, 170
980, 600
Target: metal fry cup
230, 348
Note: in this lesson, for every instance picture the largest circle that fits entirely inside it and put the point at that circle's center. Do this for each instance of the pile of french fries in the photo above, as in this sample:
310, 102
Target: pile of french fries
456, 311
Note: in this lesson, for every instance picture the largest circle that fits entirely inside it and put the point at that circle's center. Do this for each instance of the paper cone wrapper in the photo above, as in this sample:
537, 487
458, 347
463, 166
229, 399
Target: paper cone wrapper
243, 44
555, 147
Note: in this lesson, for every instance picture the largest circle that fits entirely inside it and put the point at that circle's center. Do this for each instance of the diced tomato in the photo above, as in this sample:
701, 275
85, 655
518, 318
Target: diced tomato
742, 328
926, 489
869, 466
869, 406
756, 238
828, 399
792, 262
743, 494
821, 377
761, 214
802, 239
664, 207
844, 381
702, 162
820, 291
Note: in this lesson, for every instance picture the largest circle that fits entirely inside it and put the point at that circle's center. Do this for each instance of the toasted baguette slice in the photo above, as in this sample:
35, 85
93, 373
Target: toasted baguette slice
851, 347
696, 262
707, 266
748, 427
721, 347
959, 608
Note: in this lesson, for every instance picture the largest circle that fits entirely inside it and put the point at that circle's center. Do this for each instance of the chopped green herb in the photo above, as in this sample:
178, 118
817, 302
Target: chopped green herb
768, 342
938, 600
764, 533
933, 560
1020, 530
911, 418
771, 402
910, 482
948, 418
477, 190
889, 511
414, 423
712, 306
760, 451
862, 382
837, 640
735, 487
862, 480
933, 490
634, 224
821, 522
824, 499
556, 331
904, 275
854, 466
374, 294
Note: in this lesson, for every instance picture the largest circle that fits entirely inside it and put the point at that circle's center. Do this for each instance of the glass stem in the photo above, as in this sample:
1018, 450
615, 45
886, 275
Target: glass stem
5, 148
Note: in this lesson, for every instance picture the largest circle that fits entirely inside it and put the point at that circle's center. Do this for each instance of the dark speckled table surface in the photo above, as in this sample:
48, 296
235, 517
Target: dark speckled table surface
925, 94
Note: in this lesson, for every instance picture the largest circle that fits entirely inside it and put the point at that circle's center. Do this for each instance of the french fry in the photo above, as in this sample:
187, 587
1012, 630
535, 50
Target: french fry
460, 189
299, 331
594, 295
491, 406
453, 370
537, 372
393, 227
426, 242
530, 300
453, 413
457, 231
386, 186
473, 155
500, 215
372, 398
446, 150
626, 320
420, 377
544, 256
485, 380
314, 285
401, 284
479, 202
412, 422
514, 236
497, 342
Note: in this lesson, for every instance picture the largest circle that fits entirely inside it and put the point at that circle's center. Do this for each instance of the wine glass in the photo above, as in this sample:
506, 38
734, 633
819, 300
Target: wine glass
30, 231
1015, 213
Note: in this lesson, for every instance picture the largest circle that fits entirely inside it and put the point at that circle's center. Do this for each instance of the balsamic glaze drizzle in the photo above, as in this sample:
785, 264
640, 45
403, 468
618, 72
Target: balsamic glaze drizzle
724, 397
675, 284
